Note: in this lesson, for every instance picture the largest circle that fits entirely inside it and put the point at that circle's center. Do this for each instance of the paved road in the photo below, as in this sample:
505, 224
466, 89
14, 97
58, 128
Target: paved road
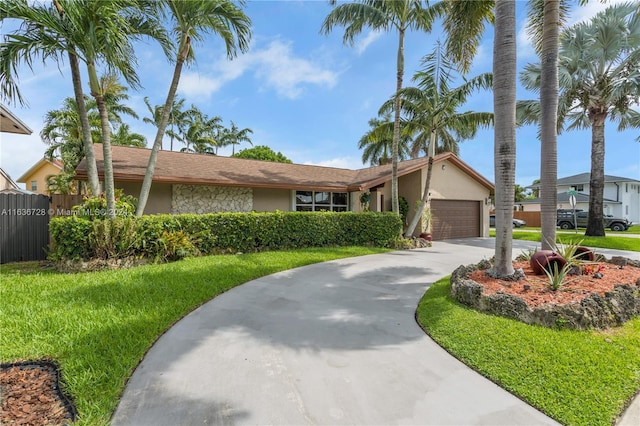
327, 344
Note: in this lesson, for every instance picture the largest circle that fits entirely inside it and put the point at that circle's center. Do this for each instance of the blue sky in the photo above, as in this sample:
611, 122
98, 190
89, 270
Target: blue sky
309, 96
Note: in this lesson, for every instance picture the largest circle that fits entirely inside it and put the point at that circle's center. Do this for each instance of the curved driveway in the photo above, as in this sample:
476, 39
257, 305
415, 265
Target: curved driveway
327, 344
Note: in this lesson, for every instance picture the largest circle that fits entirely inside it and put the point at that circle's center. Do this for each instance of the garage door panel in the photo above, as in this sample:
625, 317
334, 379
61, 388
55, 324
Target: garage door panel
455, 219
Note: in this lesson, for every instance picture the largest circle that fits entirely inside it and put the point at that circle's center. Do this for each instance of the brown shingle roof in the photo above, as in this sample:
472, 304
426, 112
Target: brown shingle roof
129, 165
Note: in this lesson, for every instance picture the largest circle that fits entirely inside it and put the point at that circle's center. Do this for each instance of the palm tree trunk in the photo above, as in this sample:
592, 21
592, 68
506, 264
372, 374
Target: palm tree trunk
504, 106
107, 165
395, 205
157, 144
549, 120
87, 140
595, 227
423, 203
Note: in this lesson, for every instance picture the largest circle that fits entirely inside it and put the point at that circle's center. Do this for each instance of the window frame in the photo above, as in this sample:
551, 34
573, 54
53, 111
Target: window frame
315, 206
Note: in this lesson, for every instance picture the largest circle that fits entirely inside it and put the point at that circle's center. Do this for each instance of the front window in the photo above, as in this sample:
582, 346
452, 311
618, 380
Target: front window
578, 188
310, 201
34, 185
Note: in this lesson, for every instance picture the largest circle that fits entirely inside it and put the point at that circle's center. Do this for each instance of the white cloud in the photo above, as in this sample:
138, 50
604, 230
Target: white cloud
589, 10
197, 85
352, 163
365, 42
281, 70
276, 67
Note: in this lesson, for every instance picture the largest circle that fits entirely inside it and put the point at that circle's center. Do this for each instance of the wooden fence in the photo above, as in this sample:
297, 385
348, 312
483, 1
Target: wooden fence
61, 204
532, 218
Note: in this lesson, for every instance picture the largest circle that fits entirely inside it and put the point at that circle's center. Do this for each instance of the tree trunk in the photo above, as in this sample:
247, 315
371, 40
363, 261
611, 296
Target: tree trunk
107, 166
87, 139
423, 203
504, 106
425, 195
549, 124
395, 206
595, 226
157, 144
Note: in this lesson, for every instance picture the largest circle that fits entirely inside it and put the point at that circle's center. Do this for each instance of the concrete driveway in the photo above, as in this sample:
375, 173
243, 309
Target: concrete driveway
327, 344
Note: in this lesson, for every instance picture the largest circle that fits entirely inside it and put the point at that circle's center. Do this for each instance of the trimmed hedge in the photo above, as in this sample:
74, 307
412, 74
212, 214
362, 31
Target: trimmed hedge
167, 237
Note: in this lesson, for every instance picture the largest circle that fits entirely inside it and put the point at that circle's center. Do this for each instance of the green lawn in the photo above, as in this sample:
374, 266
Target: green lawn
578, 378
99, 325
612, 242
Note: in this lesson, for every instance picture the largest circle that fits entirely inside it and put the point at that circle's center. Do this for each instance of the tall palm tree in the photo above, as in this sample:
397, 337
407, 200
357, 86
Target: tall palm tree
235, 136
400, 16
431, 112
46, 32
377, 142
599, 69
545, 18
504, 109
108, 29
191, 21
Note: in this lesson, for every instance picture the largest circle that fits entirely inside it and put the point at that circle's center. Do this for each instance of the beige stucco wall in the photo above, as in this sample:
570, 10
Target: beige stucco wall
159, 200
451, 183
268, 200
40, 176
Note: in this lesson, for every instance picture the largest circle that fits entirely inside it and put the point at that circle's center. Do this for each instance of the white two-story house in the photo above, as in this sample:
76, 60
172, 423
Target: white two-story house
621, 196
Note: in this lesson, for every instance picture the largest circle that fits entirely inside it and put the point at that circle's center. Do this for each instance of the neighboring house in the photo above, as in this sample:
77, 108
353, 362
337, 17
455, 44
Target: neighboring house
6, 183
35, 179
194, 183
621, 196
9, 123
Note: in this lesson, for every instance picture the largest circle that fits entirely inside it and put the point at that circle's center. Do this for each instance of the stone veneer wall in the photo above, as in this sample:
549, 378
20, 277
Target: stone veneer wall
210, 199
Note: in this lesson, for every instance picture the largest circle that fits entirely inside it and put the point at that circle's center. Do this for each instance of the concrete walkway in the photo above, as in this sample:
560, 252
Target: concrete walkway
327, 344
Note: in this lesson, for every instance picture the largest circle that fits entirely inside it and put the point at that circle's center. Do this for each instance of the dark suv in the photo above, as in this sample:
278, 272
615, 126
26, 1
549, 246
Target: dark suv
566, 220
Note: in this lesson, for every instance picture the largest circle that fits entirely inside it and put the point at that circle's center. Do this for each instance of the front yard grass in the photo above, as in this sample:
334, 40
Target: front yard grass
611, 242
575, 377
99, 325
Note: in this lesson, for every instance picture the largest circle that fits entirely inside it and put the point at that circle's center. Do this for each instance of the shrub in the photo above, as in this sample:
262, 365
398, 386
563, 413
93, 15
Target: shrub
171, 237
95, 207
69, 238
117, 238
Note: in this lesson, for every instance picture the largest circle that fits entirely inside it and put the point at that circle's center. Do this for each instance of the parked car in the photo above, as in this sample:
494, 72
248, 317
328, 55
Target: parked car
517, 223
566, 220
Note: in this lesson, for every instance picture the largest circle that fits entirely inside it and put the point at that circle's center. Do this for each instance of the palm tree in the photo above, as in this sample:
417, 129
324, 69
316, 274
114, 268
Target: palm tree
115, 94
201, 132
380, 15
377, 142
545, 19
504, 109
108, 29
431, 112
62, 131
599, 68
235, 136
191, 20
124, 136
46, 32
177, 119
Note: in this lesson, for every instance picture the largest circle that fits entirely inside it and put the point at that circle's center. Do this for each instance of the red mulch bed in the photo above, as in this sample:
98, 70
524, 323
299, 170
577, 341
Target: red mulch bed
30, 395
535, 291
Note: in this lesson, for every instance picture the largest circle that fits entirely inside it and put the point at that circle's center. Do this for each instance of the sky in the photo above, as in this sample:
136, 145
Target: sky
309, 96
